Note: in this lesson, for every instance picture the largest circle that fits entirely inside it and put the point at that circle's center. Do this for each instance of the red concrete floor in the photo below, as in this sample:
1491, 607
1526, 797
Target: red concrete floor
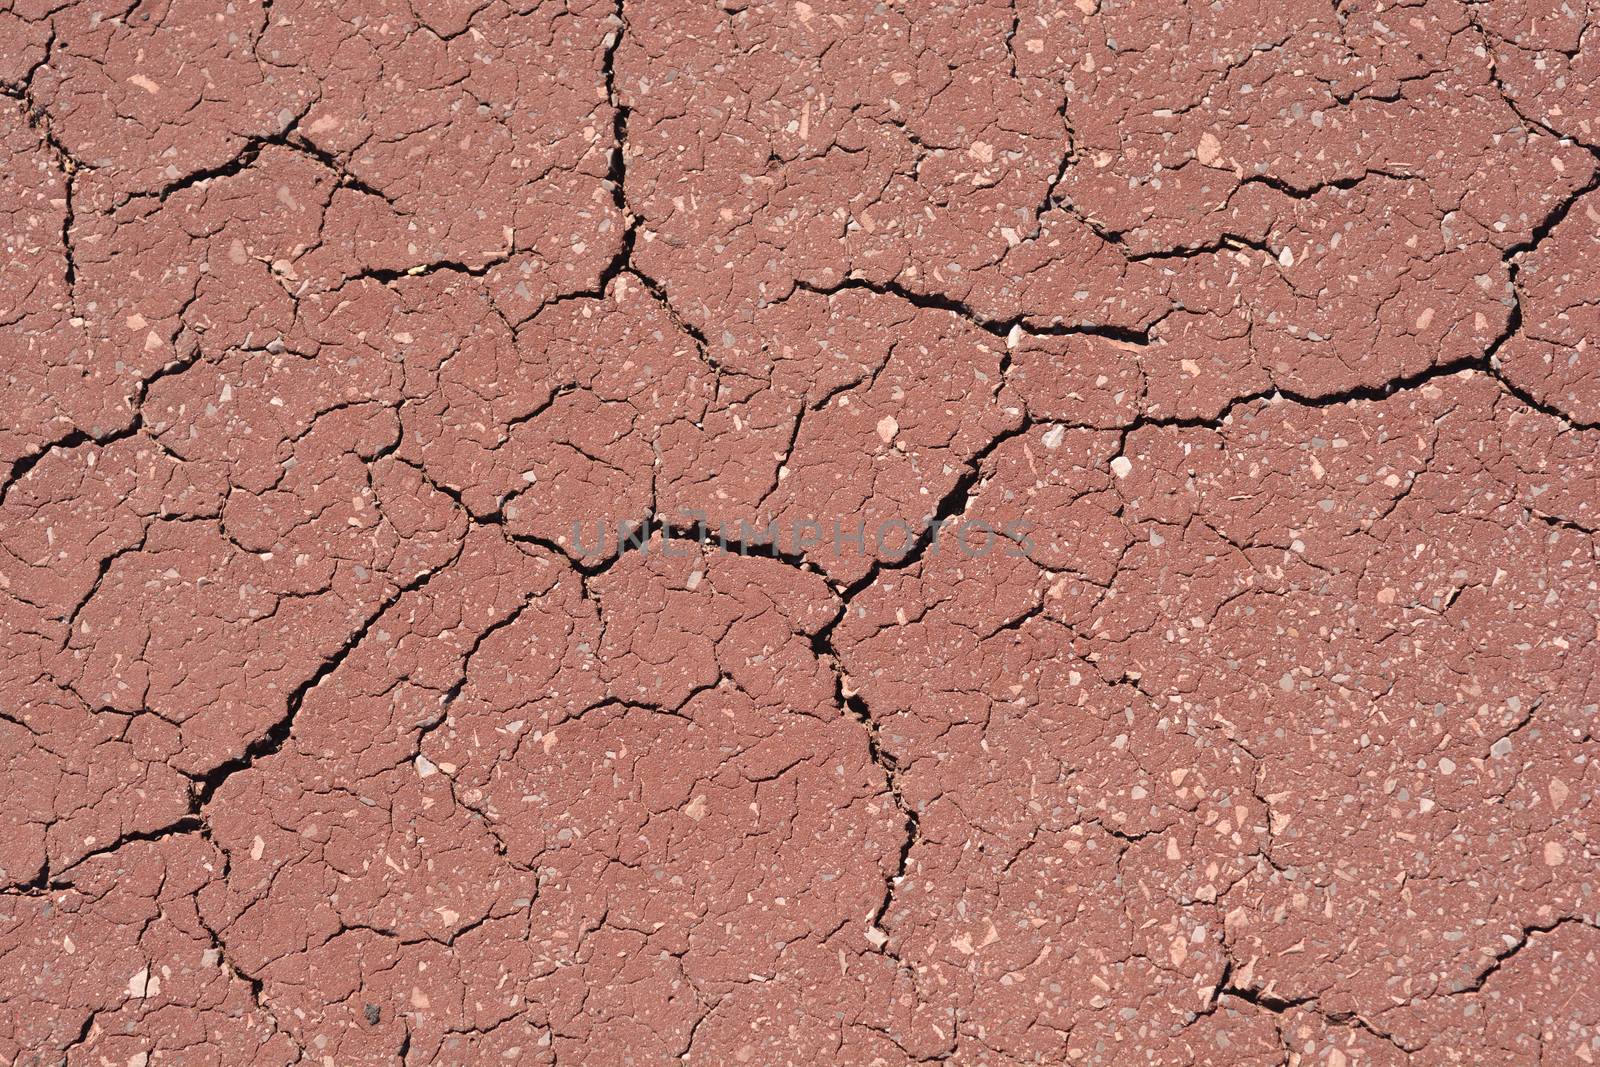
799, 533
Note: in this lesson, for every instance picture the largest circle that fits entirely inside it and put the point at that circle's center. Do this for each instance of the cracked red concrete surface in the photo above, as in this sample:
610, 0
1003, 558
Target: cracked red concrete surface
764, 533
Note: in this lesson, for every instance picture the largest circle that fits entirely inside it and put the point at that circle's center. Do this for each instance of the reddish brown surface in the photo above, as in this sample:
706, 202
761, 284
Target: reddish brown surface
1268, 329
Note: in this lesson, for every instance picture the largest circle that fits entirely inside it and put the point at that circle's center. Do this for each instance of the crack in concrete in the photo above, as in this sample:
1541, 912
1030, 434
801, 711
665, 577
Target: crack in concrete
970, 476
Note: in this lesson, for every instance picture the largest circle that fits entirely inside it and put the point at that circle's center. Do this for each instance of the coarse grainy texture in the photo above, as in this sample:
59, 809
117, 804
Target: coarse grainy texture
668, 531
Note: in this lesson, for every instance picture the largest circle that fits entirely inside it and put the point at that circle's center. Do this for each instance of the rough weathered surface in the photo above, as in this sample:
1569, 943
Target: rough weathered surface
800, 532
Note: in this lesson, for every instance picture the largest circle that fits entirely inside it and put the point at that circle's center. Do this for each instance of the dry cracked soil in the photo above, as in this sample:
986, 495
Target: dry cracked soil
821, 532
